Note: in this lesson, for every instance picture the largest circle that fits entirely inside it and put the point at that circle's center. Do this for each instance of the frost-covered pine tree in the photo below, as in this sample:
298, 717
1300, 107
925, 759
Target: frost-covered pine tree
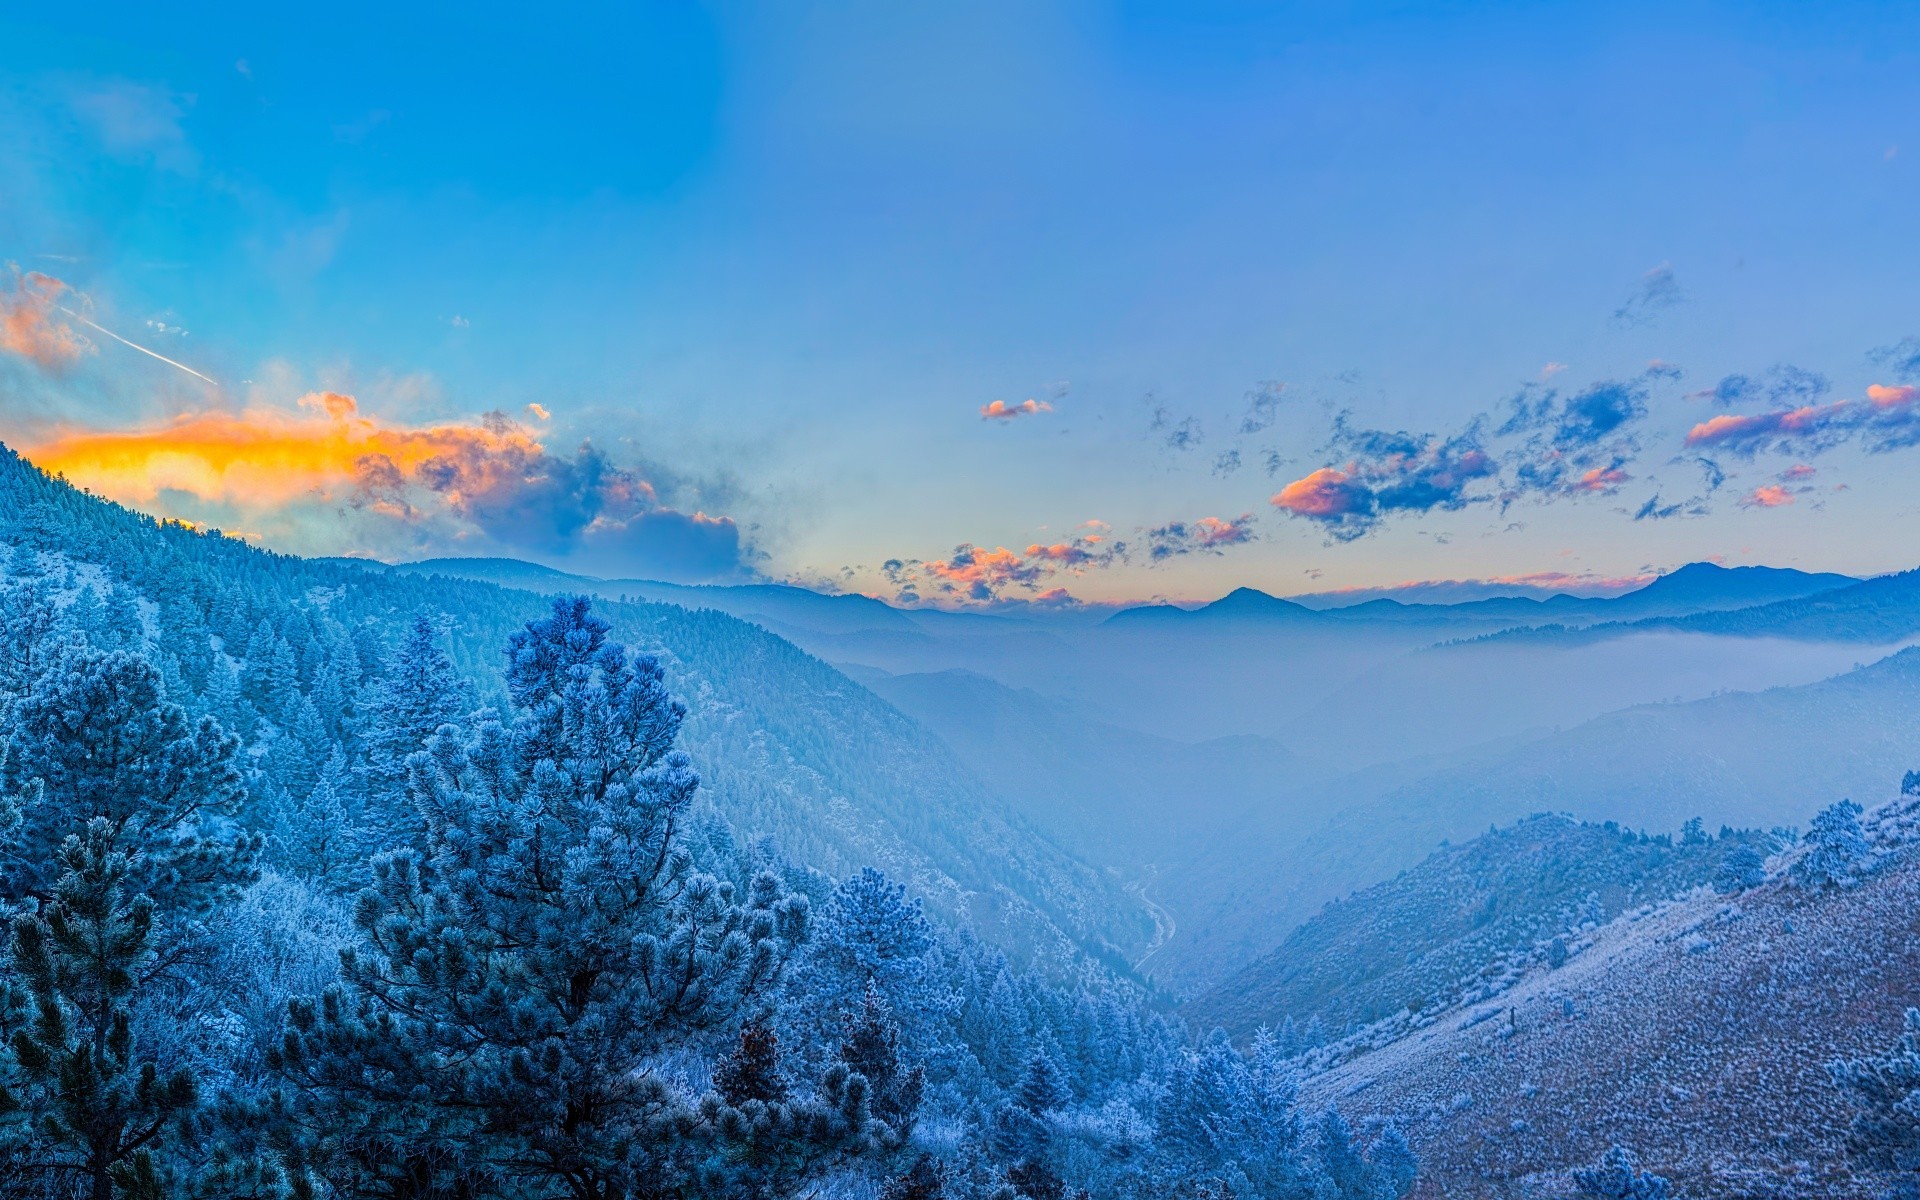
524, 979
95, 739
1836, 848
419, 691
1617, 1176
870, 937
1886, 1089
1741, 869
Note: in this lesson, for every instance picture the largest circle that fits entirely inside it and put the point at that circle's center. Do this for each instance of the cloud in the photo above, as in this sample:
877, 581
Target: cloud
1770, 495
1601, 480
1784, 384
1797, 473
1226, 463
1887, 419
31, 324
1182, 435
491, 478
1387, 472
1208, 535
1566, 436
1658, 291
1263, 408
136, 120
1000, 410
1902, 359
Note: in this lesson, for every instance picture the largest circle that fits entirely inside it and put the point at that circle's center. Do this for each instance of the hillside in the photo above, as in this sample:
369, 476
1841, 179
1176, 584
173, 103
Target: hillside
788, 748
1416, 940
1111, 794
1697, 1034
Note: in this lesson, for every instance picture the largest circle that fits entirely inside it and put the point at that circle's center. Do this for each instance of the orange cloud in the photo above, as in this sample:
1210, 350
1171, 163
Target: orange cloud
1884, 396
1000, 410
1601, 479
1328, 492
1771, 495
29, 326
268, 457
1797, 473
1729, 429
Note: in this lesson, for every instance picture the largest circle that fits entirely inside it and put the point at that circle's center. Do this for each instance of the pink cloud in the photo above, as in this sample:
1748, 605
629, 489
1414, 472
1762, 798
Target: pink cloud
1000, 410
1601, 479
1327, 493
1771, 495
1747, 432
30, 327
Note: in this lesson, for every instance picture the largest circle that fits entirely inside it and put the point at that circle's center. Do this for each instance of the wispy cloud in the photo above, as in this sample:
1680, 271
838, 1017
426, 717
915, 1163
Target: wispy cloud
33, 324
1658, 291
1207, 535
1888, 418
1000, 410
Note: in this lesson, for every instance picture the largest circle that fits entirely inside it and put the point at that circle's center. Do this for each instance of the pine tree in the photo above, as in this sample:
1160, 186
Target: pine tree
872, 1049
314, 836
419, 693
1836, 848
96, 740
1741, 869
98, 1110
1617, 1176
925, 1180
752, 1070
518, 979
1885, 1133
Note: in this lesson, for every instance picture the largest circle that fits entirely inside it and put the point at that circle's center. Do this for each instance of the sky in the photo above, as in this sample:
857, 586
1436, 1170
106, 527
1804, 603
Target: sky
980, 304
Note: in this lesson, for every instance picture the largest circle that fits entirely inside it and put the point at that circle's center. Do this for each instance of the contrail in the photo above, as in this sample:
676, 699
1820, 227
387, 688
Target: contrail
136, 345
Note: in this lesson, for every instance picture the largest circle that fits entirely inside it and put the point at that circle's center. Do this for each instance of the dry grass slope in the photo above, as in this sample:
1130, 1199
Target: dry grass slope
1697, 1035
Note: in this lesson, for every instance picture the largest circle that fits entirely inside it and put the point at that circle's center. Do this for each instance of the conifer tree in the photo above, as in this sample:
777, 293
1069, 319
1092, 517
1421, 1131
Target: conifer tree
1741, 869
1886, 1089
1836, 848
519, 978
872, 1049
1617, 1176
419, 692
97, 1109
96, 740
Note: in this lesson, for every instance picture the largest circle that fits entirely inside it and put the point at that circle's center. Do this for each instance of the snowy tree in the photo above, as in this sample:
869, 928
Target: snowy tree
96, 740
1886, 1090
417, 694
518, 979
871, 1048
1836, 848
1617, 1176
1741, 869
314, 835
99, 1108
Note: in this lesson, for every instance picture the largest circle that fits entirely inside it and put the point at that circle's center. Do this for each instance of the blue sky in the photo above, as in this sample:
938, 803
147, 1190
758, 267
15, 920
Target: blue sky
771, 263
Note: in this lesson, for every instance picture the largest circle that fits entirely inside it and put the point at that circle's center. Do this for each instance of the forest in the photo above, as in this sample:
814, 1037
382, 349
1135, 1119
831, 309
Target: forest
309, 895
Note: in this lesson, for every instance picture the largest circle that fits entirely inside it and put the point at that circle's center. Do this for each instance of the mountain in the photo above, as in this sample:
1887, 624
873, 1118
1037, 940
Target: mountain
1419, 938
770, 604
787, 747
1694, 588
1697, 1033
1241, 605
1756, 758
